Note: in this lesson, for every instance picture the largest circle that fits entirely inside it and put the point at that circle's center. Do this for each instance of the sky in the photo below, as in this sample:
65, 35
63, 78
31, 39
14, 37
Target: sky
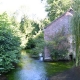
33, 8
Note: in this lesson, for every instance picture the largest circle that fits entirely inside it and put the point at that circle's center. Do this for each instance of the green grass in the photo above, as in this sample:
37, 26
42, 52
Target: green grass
56, 67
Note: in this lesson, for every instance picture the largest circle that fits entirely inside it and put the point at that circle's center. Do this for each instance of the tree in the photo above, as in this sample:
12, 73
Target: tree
76, 28
36, 27
44, 22
55, 8
24, 24
30, 44
9, 44
39, 44
14, 21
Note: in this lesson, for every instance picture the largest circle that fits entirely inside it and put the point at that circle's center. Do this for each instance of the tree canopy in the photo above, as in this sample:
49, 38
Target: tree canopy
57, 7
9, 44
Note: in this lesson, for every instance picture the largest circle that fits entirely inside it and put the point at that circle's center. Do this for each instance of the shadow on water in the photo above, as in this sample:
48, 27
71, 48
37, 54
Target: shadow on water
30, 69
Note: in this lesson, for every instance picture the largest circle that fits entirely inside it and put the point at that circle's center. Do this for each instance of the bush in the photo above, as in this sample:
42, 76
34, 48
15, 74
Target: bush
39, 44
58, 46
9, 49
36, 44
30, 44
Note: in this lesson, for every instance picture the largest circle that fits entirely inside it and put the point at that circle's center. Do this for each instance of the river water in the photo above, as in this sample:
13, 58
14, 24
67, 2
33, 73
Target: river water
30, 69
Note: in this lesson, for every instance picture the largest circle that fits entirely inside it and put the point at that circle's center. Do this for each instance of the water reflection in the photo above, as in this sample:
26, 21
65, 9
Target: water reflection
30, 69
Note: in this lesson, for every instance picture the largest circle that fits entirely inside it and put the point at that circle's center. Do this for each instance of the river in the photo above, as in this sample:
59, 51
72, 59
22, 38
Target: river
30, 69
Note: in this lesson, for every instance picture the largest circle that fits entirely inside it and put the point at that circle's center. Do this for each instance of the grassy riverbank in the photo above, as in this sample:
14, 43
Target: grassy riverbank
53, 68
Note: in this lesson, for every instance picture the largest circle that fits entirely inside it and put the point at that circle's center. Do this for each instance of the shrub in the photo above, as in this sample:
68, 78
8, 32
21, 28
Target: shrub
9, 49
30, 44
36, 44
39, 44
58, 46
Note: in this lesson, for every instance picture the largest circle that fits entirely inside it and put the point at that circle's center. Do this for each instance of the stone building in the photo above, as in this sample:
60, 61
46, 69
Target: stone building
54, 27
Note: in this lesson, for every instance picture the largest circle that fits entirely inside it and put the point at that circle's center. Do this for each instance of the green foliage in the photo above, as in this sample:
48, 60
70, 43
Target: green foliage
45, 22
4, 20
76, 28
25, 25
34, 34
36, 27
57, 7
58, 46
14, 22
31, 44
9, 45
39, 44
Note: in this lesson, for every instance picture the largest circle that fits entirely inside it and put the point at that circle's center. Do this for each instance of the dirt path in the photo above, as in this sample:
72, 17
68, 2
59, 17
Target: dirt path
72, 74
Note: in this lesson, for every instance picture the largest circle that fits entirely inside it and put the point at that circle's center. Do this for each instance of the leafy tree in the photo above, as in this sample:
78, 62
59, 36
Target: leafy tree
4, 20
25, 25
76, 28
39, 44
14, 21
36, 27
57, 7
44, 22
30, 44
9, 44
